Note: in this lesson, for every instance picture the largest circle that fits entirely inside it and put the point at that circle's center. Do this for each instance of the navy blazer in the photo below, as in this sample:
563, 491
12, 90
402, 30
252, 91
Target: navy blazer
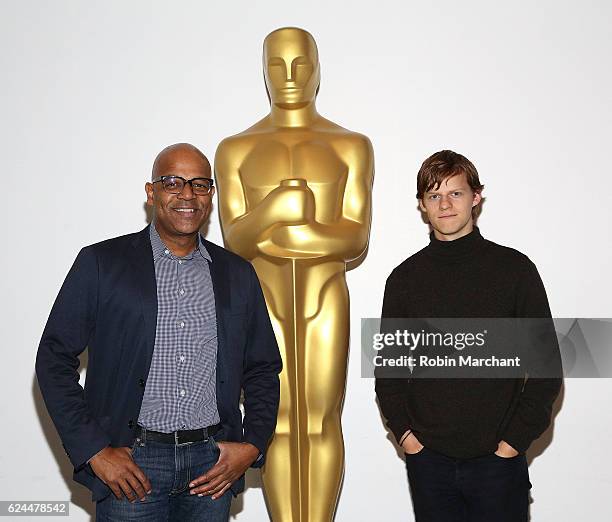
108, 303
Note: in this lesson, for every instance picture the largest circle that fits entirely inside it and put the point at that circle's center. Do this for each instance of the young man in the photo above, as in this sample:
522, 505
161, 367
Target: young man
464, 439
175, 326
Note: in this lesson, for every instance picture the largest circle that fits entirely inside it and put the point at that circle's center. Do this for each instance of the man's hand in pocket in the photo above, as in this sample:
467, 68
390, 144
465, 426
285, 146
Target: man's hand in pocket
411, 444
117, 469
505, 451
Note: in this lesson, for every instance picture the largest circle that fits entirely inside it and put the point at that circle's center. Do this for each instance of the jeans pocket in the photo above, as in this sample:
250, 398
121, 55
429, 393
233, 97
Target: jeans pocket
214, 444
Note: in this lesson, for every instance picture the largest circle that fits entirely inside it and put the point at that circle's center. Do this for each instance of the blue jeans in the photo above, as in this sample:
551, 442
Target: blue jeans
170, 468
482, 489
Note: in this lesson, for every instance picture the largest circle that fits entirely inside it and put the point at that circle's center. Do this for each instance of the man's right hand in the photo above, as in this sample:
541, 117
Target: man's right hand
411, 444
116, 468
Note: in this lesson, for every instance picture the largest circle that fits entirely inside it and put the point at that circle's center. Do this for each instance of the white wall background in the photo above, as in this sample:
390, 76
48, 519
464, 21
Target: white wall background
91, 91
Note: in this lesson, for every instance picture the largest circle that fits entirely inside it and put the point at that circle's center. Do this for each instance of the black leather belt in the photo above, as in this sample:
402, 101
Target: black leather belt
178, 437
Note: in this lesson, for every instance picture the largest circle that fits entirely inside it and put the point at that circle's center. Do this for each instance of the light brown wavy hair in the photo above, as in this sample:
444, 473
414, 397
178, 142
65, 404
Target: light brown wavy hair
443, 165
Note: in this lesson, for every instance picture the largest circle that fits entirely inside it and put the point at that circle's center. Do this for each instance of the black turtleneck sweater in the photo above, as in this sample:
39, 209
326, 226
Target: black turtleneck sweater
464, 418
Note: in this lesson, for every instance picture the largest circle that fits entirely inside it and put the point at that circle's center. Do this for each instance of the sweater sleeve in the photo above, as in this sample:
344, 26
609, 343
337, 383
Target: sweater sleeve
391, 391
533, 412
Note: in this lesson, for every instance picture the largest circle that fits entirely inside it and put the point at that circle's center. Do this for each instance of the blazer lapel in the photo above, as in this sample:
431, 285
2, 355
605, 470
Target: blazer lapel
141, 258
221, 289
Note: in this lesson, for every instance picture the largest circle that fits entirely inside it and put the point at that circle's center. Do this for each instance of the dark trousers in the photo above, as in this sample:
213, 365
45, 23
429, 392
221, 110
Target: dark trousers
483, 489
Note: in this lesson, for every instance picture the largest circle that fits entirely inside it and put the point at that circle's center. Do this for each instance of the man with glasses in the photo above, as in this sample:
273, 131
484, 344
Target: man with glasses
177, 328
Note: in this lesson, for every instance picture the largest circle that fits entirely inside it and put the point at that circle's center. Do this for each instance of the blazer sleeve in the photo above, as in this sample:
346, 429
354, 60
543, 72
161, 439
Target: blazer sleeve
262, 364
66, 335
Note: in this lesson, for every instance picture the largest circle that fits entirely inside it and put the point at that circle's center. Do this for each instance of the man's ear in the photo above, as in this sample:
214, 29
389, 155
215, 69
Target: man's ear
149, 192
476, 200
422, 207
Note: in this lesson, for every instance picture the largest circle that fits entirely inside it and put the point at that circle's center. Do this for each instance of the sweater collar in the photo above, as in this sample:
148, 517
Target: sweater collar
457, 248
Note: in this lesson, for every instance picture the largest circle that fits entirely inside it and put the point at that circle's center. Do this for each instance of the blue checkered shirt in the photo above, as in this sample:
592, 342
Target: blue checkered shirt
180, 392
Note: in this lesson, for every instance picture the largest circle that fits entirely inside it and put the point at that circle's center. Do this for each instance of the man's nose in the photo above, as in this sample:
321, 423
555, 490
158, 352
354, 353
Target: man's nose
187, 192
445, 202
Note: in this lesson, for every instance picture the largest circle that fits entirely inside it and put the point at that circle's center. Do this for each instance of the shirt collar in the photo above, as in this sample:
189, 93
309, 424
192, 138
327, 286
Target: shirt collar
159, 248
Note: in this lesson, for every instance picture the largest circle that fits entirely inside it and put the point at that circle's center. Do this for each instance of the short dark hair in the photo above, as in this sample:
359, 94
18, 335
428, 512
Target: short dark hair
443, 165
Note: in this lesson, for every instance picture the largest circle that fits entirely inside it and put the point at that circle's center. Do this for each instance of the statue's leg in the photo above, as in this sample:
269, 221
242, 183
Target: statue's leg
281, 472
324, 362
304, 465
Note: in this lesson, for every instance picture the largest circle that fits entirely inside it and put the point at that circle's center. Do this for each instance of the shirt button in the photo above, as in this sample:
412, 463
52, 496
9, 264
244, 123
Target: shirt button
180, 261
182, 393
182, 291
182, 358
166, 251
182, 324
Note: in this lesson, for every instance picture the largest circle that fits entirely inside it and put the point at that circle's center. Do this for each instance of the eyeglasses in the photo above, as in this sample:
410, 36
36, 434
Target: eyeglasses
176, 184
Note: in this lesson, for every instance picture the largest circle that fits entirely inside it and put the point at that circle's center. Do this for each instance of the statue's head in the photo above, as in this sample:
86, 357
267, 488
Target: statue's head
291, 67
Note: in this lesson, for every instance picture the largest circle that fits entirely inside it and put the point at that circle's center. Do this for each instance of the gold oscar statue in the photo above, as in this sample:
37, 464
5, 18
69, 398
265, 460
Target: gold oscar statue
295, 199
